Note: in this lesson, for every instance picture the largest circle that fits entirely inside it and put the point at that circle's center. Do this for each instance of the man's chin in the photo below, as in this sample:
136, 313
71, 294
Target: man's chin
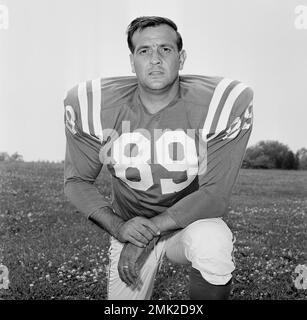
157, 85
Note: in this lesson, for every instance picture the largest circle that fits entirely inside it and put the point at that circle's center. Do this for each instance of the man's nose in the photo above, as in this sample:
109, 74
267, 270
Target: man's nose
155, 57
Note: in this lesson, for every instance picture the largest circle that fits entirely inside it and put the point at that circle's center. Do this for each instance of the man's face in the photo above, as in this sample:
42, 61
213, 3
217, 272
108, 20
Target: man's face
156, 60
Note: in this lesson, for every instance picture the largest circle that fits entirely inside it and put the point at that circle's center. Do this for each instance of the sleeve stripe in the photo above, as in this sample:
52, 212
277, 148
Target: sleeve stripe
217, 95
82, 96
229, 103
90, 106
96, 89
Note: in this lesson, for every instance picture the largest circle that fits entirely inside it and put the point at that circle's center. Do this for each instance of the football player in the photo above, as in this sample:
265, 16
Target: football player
173, 145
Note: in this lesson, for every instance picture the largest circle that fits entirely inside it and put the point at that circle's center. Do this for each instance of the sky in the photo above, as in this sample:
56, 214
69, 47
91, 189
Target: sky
49, 46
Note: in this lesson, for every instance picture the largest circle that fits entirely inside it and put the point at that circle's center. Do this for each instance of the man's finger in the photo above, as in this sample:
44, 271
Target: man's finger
146, 233
138, 281
128, 270
139, 236
133, 271
136, 242
151, 227
122, 275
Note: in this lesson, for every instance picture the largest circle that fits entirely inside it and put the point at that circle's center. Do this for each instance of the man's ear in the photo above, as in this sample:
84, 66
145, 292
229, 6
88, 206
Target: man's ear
132, 63
182, 57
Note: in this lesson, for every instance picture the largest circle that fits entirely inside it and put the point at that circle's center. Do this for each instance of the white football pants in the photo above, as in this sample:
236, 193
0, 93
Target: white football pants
206, 244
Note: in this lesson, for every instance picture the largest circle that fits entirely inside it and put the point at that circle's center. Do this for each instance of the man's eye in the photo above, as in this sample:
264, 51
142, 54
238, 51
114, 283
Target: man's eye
143, 51
166, 50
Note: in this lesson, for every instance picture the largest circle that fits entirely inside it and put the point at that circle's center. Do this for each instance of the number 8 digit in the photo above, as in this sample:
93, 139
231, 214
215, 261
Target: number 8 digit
140, 161
70, 119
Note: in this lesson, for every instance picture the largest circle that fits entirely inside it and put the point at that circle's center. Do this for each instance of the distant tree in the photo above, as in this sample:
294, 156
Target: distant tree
4, 156
16, 157
301, 155
257, 161
270, 155
290, 162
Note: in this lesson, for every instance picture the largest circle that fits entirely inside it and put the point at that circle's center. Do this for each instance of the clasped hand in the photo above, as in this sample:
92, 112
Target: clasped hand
138, 231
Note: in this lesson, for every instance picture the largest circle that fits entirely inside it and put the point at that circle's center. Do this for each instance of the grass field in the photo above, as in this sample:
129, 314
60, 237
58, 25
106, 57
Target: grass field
52, 252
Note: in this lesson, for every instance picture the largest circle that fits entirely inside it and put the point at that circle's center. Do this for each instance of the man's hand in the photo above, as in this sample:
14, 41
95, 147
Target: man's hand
139, 231
131, 260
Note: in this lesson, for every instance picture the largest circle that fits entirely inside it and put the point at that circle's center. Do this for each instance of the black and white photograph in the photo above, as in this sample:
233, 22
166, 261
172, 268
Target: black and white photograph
153, 150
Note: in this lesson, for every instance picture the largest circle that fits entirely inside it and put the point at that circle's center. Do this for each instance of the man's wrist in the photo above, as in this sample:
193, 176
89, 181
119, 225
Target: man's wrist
98, 216
165, 223
108, 220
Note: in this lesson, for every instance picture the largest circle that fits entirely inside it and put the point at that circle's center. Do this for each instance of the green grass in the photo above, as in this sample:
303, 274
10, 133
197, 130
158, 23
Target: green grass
52, 252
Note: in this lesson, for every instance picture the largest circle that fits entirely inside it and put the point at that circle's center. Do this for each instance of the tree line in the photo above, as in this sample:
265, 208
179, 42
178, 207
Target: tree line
263, 155
4, 156
274, 155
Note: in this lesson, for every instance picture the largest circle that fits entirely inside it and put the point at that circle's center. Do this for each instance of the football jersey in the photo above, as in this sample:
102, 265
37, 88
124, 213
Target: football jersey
182, 160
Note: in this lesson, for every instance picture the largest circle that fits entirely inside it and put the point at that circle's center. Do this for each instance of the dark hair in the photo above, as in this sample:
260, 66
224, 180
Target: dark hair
141, 23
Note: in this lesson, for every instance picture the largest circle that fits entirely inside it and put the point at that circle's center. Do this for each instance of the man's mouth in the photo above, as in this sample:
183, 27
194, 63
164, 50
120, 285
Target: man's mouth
155, 73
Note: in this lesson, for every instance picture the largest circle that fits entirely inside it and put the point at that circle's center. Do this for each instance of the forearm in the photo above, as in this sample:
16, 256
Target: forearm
84, 196
215, 186
106, 219
205, 203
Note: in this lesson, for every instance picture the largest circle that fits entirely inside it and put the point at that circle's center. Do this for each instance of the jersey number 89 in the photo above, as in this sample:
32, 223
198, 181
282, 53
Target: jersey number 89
141, 160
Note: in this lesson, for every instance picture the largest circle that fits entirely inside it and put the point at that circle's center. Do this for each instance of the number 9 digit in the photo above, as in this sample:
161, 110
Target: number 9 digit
188, 163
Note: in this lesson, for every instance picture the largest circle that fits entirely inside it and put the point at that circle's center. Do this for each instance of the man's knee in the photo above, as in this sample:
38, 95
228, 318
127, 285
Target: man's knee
208, 244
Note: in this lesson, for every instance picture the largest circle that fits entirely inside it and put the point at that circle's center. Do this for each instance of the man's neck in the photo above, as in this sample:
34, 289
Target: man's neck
156, 100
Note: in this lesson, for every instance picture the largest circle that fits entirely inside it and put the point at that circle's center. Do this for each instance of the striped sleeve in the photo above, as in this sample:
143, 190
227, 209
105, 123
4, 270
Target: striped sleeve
83, 141
86, 101
225, 134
